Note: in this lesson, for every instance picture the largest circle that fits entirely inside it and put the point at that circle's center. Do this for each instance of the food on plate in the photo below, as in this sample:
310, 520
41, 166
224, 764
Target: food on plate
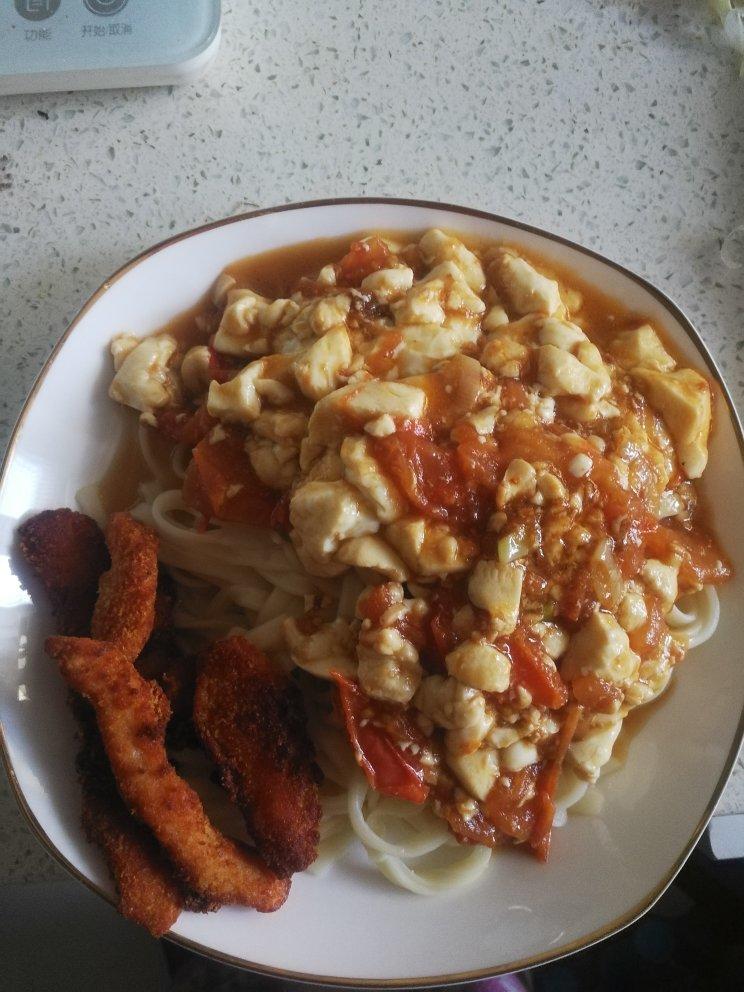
131, 714
66, 552
446, 492
251, 721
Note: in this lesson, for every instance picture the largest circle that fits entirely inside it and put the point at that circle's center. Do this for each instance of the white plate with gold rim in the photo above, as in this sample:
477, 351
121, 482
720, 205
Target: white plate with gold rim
351, 926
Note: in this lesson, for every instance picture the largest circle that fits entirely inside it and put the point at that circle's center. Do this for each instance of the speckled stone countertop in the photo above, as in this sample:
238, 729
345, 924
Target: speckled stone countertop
618, 124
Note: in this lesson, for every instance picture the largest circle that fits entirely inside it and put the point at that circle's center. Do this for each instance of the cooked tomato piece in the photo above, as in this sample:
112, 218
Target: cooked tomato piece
547, 783
362, 259
382, 356
479, 460
221, 368
645, 639
220, 483
702, 561
596, 693
532, 669
475, 830
388, 769
508, 805
185, 426
443, 605
427, 473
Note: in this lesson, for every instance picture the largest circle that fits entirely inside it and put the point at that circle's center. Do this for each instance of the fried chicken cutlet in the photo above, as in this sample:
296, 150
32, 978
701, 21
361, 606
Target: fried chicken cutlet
131, 714
67, 553
251, 720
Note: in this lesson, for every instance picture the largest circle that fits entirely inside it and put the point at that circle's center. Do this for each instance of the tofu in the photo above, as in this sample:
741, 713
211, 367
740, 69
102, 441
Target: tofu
362, 471
436, 247
145, 380
371, 552
641, 348
248, 320
520, 479
480, 665
328, 313
476, 772
526, 290
195, 370
683, 400
661, 579
560, 333
237, 401
388, 665
276, 464
600, 647
330, 648
497, 588
374, 398
388, 285
451, 705
456, 294
425, 345
589, 754
317, 370
632, 613
323, 515
430, 548
562, 374
521, 754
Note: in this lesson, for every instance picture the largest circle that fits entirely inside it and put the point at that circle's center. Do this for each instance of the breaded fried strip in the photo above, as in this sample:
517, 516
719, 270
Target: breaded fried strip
125, 611
148, 893
131, 714
252, 722
67, 553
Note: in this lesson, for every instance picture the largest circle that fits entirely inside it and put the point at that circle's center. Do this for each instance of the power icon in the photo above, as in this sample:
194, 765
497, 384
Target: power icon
105, 8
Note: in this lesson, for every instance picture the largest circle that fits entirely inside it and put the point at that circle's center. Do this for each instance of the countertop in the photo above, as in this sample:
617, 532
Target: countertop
617, 124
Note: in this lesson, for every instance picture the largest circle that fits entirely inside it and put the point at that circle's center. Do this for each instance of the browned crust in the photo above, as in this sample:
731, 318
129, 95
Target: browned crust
252, 722
66, 553
131, 714
125, 610
148, 893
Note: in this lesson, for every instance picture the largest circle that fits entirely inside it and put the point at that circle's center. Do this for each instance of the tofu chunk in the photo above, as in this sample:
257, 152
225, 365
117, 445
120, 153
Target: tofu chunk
436, 247
497, 588
683, 400
429, 548
317, 369
641, 348
560, 333
600, 646
480, 665
145, 380
237, 401
388, 665
662, 580
389, 285
454, 706
362, 470
562, 374
520, 479
323, 515
327, 649
476, 772
526, 290
589, 754
373, 553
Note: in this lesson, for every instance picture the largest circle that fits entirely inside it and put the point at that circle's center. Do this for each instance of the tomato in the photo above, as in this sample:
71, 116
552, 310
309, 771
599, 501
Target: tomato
388, 769
702, 561
532, 669
475, 830
362, 259
425, 472
646, 638
547, 782
382, 356
479, 460
596, 693
185, 426
443, 605
508, 805
221, 368
220, 483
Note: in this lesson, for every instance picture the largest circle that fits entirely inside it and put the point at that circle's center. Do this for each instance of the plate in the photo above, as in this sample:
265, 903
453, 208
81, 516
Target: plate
350, 926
